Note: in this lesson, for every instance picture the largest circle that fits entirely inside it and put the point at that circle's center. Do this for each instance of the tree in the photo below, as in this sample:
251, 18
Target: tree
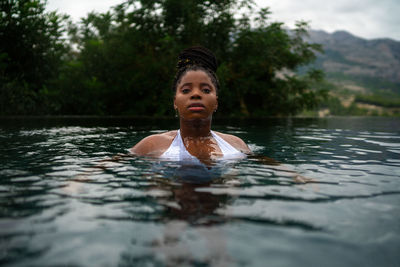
31, 51
262, 70
132, 50
123, 60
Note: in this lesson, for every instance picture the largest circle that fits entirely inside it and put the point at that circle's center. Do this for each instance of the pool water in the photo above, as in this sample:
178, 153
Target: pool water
71, 196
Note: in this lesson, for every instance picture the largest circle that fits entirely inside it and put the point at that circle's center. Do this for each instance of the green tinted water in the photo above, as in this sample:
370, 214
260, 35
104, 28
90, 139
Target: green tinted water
64, 202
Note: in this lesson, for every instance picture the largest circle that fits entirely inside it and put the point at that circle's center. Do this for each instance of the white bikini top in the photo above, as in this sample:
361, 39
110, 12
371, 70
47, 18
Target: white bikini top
178, 151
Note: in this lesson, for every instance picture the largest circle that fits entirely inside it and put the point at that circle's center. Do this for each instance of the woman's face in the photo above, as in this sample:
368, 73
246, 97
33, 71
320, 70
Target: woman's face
196, 96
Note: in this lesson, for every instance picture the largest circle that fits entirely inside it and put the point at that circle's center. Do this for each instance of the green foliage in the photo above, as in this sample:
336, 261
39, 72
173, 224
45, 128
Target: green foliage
336, 108
123, 61
132, 52
31, 52
388, 101
16, 98
373, 84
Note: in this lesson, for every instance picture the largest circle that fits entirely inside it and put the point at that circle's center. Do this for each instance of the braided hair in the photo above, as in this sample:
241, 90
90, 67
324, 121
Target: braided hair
196, 58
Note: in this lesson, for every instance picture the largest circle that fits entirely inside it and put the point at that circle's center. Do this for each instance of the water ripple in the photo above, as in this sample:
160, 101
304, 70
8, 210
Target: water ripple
69, 195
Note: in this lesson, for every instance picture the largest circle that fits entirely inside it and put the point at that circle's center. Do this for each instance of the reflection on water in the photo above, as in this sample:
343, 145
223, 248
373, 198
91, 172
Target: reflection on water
71, 196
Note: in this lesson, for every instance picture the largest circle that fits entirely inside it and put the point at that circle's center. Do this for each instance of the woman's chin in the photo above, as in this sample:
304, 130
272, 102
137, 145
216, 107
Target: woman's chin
197, 116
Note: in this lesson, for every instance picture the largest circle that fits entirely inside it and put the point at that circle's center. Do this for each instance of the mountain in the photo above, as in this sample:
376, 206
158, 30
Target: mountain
362, 76
352, 56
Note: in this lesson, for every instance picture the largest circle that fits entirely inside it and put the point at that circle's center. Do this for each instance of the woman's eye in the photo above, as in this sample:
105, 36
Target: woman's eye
206, 90
185, 91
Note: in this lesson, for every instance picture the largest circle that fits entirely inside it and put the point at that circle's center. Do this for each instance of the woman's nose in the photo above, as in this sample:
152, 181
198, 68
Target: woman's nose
195, 94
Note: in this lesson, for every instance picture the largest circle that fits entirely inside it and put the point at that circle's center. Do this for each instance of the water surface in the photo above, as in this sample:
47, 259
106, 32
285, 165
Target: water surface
69, 196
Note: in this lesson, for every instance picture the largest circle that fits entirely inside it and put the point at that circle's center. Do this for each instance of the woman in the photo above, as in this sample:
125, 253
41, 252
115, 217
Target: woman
195, 100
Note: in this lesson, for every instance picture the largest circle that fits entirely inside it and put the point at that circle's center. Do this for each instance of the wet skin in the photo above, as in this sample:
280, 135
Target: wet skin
196, 100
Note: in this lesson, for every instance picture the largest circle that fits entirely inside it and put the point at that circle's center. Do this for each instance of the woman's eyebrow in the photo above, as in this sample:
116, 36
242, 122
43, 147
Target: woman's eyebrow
203, 84
186, 84
190, 84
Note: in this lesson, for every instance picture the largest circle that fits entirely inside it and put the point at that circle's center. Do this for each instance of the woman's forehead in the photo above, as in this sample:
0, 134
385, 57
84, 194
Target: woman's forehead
195, 76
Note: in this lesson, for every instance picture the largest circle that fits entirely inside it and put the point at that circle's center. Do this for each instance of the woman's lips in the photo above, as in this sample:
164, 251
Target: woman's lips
196, 107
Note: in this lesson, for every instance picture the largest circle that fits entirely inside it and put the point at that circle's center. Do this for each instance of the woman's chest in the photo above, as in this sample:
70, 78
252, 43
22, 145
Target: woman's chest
204, 149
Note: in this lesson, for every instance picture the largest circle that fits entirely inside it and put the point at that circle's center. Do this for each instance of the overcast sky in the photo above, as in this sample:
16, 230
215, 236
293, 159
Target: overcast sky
365, 18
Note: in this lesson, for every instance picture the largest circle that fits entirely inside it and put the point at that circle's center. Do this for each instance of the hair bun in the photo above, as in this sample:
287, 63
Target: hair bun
197, 55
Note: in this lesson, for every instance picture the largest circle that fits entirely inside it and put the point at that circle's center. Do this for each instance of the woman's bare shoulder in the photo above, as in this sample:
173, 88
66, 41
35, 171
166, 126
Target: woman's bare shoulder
235, 141
154, 145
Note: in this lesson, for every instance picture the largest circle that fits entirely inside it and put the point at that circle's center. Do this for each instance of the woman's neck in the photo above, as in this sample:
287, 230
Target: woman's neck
195, 128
